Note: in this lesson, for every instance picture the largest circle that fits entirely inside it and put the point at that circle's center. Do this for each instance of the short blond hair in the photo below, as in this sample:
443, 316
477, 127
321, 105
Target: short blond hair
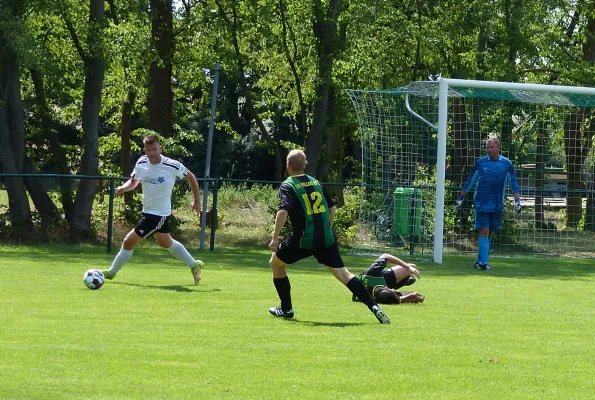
297, 160
493, 139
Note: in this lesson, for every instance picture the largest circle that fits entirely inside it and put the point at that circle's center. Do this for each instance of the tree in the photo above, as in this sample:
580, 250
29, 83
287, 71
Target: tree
49, 130
12, 128
94, 63
589, 134
160, 100
324, 26
128, 45
290, 49
232, 21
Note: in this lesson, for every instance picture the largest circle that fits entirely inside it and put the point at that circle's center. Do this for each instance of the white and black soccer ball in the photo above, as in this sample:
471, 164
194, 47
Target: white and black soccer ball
93, 279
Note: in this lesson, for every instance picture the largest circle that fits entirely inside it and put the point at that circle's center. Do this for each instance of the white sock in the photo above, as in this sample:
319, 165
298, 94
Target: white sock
121, 258
180, 252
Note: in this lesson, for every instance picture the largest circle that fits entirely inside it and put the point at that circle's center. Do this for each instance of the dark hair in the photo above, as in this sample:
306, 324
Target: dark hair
150, 139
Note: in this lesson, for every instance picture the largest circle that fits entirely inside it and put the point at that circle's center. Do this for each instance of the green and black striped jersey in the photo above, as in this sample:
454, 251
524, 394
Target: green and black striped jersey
307, 204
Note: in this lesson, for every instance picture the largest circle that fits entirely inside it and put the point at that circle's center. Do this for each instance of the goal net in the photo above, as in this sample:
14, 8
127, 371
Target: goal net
421, 141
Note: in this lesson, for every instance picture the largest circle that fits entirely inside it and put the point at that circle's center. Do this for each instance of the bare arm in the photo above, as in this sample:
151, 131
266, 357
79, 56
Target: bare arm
331, 214
127, 186
412, 268
196, 206
280, 220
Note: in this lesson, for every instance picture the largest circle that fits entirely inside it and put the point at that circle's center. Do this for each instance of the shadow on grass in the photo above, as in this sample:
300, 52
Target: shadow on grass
502, 267
514, 267
257, 259
173, 288
319, 323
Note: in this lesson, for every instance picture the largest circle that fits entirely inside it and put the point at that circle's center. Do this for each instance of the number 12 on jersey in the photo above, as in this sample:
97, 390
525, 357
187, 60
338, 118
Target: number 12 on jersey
314, 203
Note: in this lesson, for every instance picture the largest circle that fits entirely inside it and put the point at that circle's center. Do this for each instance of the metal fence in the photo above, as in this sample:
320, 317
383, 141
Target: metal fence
107, 207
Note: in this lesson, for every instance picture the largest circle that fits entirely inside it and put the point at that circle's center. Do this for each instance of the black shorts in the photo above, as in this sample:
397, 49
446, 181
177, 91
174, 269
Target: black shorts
329, 256
390, 278
148, 224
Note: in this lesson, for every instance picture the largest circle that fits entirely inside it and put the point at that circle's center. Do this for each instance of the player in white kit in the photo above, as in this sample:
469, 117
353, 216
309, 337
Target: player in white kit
158, 175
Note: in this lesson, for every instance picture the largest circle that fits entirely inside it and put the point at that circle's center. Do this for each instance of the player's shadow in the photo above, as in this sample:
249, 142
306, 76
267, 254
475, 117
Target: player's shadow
173, 288
319, 323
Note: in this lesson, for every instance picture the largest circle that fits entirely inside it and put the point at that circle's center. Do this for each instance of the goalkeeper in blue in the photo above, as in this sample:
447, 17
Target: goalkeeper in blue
489, 177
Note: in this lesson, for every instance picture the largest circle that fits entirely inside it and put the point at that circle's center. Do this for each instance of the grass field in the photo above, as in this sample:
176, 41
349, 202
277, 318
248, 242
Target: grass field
523, 331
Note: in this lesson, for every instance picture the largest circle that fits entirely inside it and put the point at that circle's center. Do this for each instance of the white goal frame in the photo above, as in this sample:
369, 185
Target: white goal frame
444, 85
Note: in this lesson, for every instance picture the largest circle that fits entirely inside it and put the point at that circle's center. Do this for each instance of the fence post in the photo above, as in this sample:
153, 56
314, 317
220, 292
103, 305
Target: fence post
203, 219
214, 215
110, 216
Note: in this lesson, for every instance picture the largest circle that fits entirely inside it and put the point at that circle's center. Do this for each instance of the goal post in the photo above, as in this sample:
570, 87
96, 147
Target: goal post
441, 169
423, 139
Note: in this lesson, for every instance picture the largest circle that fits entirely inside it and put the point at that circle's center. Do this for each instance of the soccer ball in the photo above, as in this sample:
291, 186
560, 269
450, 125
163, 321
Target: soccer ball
93, 279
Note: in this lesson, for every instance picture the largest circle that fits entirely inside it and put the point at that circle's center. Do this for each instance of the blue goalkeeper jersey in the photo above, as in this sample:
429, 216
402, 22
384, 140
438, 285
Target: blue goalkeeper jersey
489, 177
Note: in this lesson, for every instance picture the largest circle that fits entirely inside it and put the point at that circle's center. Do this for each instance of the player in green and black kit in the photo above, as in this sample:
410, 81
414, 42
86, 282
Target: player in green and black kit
311, 211
383, 283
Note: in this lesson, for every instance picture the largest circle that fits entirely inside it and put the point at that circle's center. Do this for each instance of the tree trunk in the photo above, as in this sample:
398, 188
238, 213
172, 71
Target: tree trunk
127, 110
514, 15
232, 24
329, 142
43, 203
572, 148
482, 40
160, 100
58, 154
460, 164
12, 125
80, 223
589, 56
301, 118
464, 154
590, 207
324, 164
539, 176
325, 30
125, 131
589, 177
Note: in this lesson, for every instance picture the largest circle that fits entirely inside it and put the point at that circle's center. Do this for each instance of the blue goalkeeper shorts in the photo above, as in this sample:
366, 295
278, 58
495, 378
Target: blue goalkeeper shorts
484, 219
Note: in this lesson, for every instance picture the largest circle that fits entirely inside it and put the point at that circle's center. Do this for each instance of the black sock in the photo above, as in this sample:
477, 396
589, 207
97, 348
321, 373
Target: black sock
284, 291
404, 282
358, 289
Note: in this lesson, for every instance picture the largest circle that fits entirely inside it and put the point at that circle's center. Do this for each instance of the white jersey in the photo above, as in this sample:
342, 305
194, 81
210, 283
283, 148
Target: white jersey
158, 182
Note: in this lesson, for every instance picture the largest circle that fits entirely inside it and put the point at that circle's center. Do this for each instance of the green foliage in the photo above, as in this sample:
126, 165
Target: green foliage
109, 154
242, 195
428, 193
273, 46
280, 61
264, 200
4, 220
345, 225
257, 204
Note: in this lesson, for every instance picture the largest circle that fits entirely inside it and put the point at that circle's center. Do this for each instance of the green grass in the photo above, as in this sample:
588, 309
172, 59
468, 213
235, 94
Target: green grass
523, 331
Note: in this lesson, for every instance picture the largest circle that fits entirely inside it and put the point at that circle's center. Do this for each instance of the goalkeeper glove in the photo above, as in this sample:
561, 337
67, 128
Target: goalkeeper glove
517, 206
458, 203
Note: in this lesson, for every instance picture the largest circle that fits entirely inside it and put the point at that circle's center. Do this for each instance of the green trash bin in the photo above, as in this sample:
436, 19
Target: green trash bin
407, 211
